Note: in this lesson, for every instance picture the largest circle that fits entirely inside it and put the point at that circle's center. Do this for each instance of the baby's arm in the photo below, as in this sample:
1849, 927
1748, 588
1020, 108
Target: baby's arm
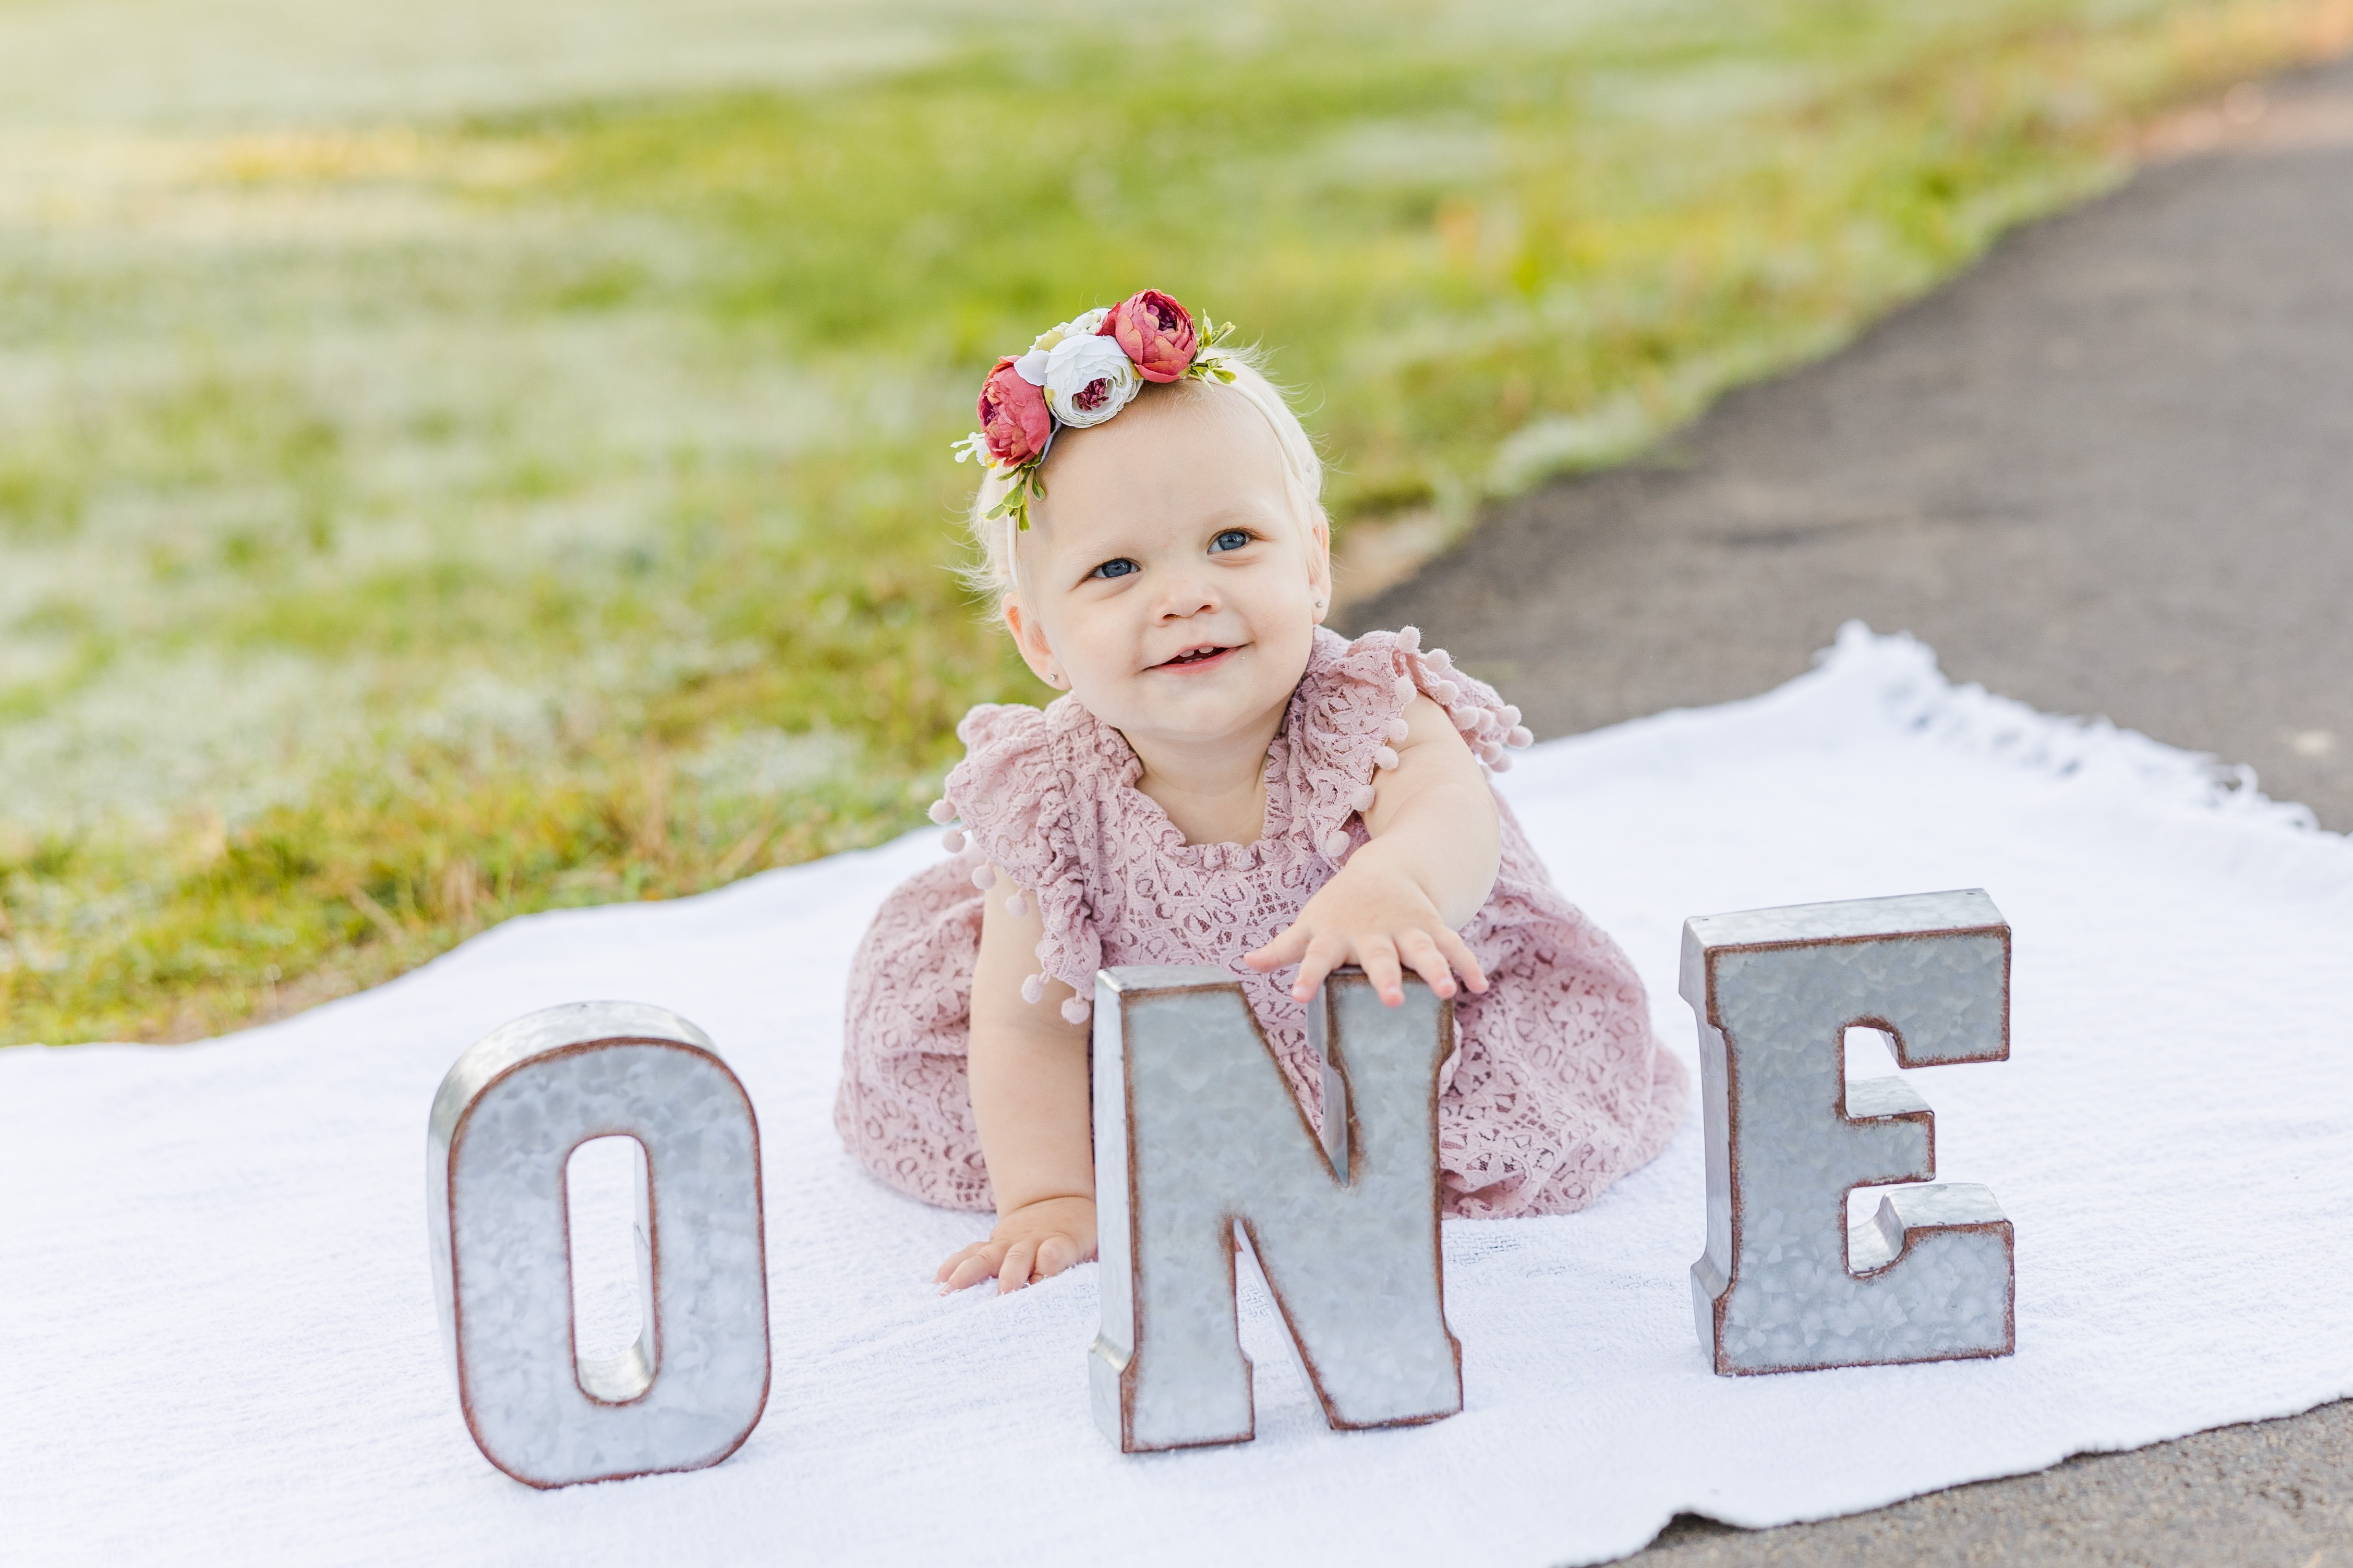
1437, 846
1028, 1074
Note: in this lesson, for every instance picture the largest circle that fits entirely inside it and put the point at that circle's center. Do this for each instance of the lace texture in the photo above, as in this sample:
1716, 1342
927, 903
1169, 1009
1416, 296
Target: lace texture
1555, 1086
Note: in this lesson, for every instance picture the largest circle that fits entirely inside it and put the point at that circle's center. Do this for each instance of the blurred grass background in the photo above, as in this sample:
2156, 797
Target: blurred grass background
440, 480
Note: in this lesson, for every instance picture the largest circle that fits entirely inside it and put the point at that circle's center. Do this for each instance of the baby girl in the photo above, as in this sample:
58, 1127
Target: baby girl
1223, 782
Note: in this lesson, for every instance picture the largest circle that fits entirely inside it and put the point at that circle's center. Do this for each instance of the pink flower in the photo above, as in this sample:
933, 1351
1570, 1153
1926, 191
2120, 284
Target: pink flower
1156, 333
1013, 417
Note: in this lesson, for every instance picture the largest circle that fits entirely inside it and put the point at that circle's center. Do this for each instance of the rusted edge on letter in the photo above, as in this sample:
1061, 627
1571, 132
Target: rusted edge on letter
1127, 1372
1999, 927
1436, 1202
1337, 1059
459, 1112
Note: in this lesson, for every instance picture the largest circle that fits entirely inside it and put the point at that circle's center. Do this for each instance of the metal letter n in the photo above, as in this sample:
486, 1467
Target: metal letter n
1196, 1132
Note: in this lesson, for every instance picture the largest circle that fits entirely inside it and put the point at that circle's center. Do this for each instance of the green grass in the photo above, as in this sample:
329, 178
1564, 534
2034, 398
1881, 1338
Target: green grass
405, 527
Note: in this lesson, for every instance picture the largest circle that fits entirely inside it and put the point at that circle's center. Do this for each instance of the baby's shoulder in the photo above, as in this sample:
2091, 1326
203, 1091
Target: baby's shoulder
1008, 761
1019, 805
1060, 736
1025, 765
1355, 690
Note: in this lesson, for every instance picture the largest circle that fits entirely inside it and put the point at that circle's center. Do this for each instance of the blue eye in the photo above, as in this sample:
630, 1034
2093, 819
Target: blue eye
1232, 539
1117, 568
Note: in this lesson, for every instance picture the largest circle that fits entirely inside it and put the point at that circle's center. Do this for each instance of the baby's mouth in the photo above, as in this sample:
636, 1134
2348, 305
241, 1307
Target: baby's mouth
1194, 657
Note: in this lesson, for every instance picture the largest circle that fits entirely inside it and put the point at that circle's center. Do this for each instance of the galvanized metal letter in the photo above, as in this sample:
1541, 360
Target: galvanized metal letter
1196, 1132
504, 1125
1785, 1285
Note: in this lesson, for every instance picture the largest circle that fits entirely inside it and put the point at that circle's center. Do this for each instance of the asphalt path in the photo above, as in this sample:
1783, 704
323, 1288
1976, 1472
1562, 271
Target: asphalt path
2109, 471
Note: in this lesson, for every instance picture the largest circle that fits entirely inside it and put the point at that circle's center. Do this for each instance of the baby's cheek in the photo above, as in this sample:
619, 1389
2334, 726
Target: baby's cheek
1098, 664
1288, 667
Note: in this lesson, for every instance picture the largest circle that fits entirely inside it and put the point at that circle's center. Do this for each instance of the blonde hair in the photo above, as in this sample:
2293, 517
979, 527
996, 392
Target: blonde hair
991, 573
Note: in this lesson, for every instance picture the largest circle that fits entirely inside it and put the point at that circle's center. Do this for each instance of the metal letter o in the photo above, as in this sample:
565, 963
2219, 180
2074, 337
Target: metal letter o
504, 1123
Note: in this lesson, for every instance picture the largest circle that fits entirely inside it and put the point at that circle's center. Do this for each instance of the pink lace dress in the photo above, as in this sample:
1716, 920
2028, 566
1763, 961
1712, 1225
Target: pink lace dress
1556, 1088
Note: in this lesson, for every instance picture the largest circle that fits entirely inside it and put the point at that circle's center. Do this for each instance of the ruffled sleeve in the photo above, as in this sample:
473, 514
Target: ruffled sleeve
1016, 800
1349, 715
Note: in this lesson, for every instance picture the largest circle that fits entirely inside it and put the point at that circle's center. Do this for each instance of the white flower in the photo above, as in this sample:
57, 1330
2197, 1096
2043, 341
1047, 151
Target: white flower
1087, 378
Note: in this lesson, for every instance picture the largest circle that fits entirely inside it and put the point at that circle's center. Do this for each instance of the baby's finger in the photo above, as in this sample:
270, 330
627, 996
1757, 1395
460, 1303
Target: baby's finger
1019, 1259
1421, 954
979, 1263
1324, 955
1466, 962
1055, 1254
1288, 947
1378, 959
957, 1257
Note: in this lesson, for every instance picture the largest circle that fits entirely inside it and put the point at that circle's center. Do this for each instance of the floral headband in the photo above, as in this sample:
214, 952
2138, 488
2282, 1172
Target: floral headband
1081, 374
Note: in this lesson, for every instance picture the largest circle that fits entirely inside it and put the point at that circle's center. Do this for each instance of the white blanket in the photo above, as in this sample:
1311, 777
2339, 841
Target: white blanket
215, 1302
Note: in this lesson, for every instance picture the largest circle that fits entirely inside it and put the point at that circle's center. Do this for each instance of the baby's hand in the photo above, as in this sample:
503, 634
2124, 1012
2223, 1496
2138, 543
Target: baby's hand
1036, 1241
1378, 918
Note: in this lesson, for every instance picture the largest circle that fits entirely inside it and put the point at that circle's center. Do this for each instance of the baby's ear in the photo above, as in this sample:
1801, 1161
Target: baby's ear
1031, 639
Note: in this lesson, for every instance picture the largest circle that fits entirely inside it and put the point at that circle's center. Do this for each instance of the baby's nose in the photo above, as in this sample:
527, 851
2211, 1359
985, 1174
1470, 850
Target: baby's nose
1187, 600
